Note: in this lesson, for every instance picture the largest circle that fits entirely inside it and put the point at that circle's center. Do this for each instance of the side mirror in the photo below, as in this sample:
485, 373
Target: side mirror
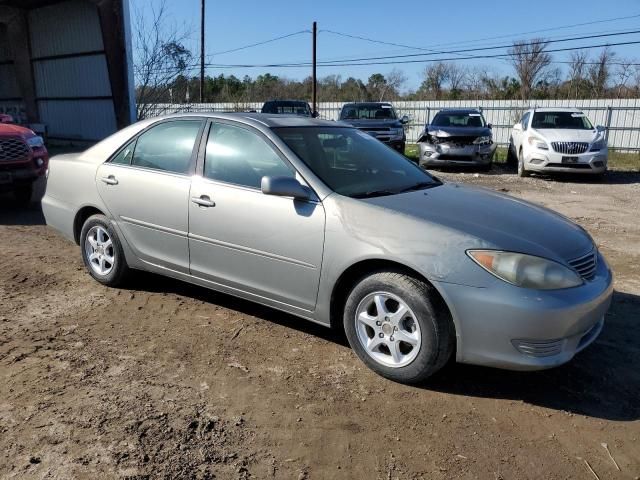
600, 128
489, 126
404, 120
6, 118
285, 187
315, 114
518, 127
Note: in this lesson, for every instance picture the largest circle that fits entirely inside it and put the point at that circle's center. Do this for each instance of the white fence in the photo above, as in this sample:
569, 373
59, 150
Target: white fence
621, 117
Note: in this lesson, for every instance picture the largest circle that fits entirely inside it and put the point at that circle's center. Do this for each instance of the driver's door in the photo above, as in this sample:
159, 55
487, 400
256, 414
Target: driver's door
268, 246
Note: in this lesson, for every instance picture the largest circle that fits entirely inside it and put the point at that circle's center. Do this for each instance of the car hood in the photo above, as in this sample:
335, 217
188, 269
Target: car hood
387, 123
480, 218
443, 132
10, 130
566, 135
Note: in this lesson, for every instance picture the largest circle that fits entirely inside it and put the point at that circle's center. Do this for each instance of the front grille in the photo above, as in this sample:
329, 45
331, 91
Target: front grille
12, 149
539, 348
586, 265
570, 148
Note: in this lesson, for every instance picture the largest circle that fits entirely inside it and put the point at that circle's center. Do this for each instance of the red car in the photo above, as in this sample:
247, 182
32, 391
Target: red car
23, 159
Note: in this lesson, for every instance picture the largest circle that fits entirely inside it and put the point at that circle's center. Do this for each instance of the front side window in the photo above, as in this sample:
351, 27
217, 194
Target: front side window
353, 163
561, 120
242, 157
525, 121
167, 146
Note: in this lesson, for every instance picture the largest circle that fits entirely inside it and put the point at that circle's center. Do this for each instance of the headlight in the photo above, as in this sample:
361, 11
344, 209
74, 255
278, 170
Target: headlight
599, 145
538, 143
482, 141
35, 142
526, 271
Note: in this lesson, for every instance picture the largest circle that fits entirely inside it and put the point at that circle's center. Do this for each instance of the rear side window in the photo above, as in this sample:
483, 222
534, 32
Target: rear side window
125, 155
242, 157
168, 146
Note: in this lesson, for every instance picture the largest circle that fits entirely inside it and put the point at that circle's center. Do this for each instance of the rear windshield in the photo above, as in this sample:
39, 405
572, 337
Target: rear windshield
295, 108
564, 120
367, 112
471, 119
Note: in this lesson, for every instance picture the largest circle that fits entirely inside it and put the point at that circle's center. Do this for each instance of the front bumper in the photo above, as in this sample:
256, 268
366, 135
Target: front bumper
509, 327
552, 162
451, 155
17, 173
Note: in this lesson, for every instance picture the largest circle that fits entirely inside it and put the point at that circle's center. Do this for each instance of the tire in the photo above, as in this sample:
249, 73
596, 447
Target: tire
98, 237
486, 168
522, 171
512, 159
425, 323
23, 194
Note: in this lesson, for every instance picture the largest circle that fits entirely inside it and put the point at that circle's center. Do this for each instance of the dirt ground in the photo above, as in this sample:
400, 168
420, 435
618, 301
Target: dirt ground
168, 380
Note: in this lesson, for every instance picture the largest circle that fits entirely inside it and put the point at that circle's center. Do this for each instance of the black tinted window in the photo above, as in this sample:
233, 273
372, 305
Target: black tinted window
167, 146
367, 112
240, 156
470, 119
567, 120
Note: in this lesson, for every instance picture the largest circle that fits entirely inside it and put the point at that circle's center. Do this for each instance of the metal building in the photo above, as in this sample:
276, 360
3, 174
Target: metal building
66, 66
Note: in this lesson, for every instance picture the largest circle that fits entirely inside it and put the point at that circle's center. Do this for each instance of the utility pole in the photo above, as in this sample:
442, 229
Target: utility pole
202, 51
313, 74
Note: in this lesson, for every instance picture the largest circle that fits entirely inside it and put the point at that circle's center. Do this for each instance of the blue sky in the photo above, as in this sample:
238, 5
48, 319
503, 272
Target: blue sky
423, 24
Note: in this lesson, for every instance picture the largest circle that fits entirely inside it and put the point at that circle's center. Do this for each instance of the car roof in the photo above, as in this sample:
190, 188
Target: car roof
287, 101
556, 109
460, 110
366, 104
269, 120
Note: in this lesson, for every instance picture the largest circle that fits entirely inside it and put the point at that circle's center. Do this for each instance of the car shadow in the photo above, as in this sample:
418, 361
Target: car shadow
612, 177
603, 381
12, 213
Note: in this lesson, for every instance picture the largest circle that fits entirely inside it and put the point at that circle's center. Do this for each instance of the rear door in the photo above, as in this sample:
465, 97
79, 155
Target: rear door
146, 186
268, 246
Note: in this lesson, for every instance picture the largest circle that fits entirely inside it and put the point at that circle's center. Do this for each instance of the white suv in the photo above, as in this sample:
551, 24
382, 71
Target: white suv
557, 140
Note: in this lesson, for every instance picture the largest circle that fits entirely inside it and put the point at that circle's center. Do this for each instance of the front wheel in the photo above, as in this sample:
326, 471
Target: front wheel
522, 171
396, 329
102, 252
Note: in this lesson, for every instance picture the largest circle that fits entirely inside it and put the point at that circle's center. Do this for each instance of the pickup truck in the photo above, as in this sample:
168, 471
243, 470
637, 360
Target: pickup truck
378, 119
23, 159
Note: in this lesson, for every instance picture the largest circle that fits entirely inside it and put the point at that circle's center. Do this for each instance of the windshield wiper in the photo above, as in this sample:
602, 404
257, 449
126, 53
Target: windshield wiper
374, 193
419, 186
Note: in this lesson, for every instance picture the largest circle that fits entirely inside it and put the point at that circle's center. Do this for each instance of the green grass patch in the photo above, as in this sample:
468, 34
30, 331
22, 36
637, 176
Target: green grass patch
623, 161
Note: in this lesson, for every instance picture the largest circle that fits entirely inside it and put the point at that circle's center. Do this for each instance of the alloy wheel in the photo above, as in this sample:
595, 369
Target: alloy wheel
98, 248
387, 329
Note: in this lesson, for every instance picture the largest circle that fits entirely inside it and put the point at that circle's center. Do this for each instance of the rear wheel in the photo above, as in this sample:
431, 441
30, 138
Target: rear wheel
396, 329
102, 252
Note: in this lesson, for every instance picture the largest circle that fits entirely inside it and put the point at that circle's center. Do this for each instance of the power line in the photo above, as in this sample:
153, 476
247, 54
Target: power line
259, 43
477, 49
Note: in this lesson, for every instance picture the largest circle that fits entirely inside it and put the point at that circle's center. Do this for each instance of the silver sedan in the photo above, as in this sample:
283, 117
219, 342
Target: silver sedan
323, 221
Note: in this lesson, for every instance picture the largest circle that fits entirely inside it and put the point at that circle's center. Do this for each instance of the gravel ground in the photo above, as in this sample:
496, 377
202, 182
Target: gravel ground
168, 380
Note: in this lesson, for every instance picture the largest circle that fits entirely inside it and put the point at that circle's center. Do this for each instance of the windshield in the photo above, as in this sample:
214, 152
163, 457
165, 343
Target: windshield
295, 108
457, 119
565, 120
353, 163
368, 112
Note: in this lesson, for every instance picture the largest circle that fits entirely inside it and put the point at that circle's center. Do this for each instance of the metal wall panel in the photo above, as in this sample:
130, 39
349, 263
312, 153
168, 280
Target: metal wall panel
8, 84
78, 119
72, 77
64, 28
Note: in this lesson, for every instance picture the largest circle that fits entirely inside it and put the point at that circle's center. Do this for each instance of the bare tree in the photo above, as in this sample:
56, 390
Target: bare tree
577, 72
160, 57
395, 79
456, 76
600, 72
624, 71
434, 77
530, 61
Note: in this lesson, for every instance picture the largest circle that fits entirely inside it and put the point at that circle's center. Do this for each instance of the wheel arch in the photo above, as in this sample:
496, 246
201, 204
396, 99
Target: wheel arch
347, 280
81, 217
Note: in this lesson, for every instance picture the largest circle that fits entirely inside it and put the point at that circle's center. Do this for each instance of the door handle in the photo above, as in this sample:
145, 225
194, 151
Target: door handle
203, 201
110, 180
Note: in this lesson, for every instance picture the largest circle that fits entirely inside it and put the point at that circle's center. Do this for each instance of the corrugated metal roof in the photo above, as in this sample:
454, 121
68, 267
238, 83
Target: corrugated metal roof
63, 28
